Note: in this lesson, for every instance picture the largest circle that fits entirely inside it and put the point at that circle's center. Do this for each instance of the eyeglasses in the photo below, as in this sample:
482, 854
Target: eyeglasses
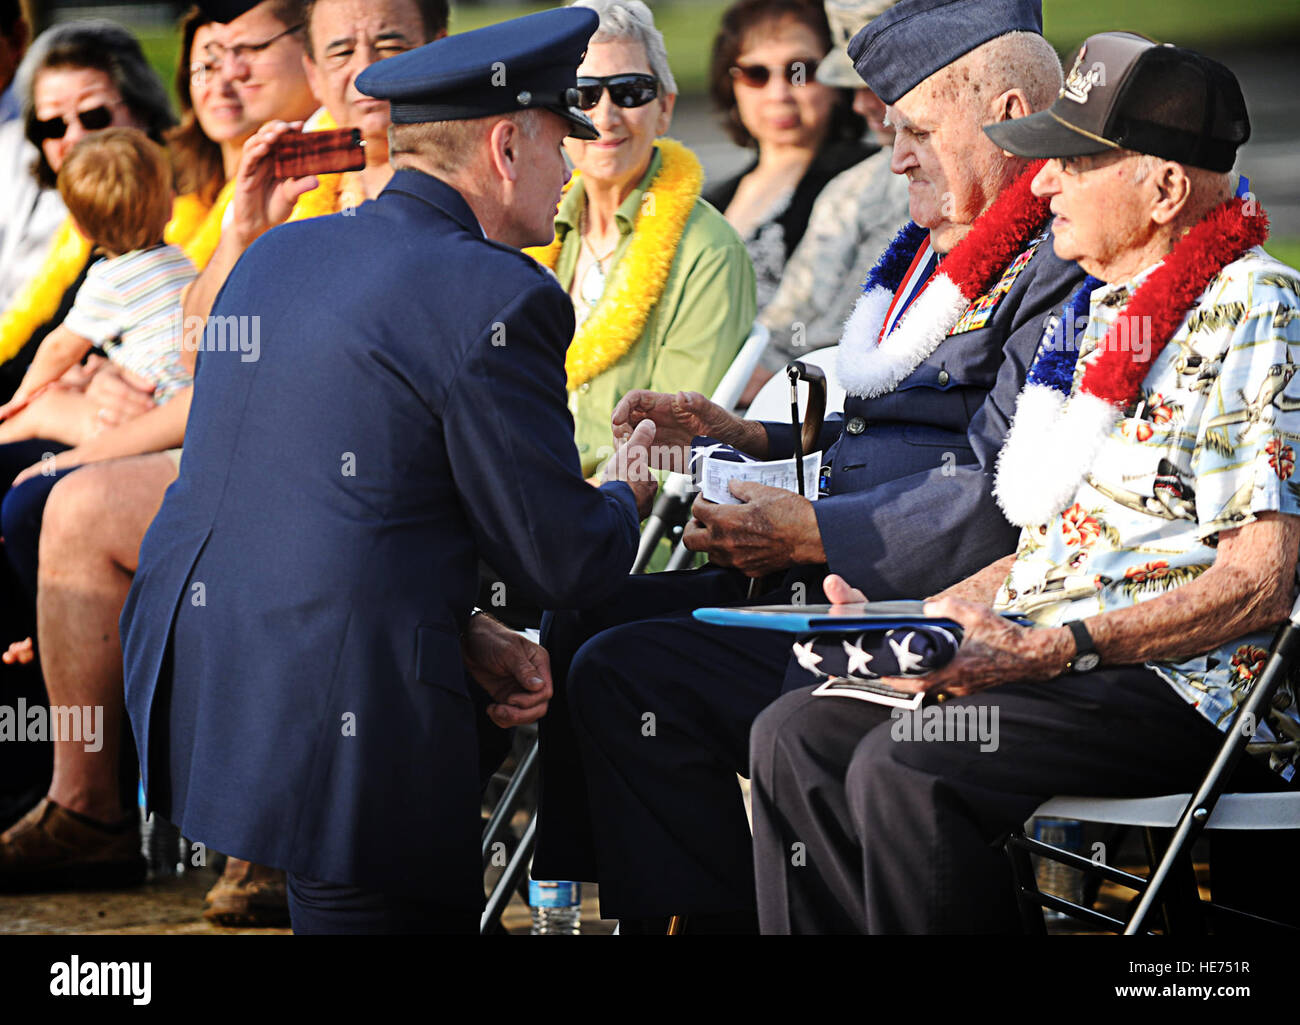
92, 120
758, 75
246, 51
632, 90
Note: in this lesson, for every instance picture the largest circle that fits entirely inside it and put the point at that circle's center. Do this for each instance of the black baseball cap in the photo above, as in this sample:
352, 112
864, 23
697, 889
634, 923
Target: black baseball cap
1125, 91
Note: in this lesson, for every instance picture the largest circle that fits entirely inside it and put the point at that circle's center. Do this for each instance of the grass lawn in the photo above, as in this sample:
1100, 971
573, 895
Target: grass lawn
1285, 249
689, 26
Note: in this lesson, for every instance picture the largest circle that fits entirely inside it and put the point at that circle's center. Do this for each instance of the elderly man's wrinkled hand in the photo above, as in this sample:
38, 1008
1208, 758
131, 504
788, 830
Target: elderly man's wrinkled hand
839, 591
993, 651
770, 530
678, 418
514, 671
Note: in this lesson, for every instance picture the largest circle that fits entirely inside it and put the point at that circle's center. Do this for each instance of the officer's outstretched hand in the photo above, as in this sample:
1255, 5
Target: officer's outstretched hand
631, 464
511, 668
261, 201
677, 418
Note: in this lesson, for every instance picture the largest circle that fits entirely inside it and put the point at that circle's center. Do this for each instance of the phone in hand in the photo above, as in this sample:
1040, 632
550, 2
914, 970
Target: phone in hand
298, 154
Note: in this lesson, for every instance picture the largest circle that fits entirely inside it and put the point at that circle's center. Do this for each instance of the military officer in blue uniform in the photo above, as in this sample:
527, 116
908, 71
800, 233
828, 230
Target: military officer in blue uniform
304, 677
652, 712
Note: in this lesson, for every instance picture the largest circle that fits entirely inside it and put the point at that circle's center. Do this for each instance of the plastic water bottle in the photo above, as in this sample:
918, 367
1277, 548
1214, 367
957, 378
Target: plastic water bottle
557, 907
1053, 877
160, 842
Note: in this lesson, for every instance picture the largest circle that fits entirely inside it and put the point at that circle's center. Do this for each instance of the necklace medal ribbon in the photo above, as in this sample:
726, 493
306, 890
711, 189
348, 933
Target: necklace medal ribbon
911, 301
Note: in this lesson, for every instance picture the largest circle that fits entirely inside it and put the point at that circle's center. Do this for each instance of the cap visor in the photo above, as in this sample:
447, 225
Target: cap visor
837, 71
582, 127
1041, 135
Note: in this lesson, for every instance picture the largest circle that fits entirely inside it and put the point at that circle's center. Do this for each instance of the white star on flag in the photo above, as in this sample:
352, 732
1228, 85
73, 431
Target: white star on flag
859, 660
908, 661
806, 657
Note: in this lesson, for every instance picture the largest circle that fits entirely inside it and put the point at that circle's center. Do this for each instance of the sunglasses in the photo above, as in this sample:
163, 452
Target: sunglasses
57, 127
758, 75
634, 90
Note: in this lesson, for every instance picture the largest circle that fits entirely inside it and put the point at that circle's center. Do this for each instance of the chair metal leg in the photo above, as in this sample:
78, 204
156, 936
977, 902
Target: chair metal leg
1281, 656
1028, 896
505, 808
1180, 909
504, 889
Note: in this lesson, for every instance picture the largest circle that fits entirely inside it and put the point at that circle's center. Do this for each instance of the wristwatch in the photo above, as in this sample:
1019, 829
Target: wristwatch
1085, 658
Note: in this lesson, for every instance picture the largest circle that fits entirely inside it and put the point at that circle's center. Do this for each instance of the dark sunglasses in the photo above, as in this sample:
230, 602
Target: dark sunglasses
56, 127
758, 75
634, 90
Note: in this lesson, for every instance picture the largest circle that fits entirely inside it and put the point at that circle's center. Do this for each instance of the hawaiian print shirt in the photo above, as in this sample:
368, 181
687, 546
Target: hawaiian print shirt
1208, 445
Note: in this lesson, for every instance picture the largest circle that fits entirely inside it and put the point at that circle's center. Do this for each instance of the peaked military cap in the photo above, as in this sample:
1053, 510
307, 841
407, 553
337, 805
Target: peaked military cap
521, 64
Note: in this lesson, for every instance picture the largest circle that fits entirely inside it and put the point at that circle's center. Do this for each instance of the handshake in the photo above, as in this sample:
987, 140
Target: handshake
653, 431
771, 529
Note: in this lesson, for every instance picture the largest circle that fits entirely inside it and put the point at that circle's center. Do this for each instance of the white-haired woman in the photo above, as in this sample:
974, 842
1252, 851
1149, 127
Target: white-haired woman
662, 287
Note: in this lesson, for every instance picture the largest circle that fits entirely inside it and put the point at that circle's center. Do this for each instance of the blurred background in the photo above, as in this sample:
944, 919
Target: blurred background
1258, 39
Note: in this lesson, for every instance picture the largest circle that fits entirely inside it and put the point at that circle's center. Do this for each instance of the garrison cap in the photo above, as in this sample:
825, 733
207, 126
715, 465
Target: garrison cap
915, 38
1127, 92
521, 64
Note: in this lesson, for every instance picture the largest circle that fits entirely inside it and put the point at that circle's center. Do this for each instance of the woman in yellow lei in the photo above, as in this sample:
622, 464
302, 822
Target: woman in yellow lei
90, 75
662, 286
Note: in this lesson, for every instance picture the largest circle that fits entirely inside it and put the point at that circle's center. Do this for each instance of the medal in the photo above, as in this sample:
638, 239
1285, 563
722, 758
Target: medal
885, 339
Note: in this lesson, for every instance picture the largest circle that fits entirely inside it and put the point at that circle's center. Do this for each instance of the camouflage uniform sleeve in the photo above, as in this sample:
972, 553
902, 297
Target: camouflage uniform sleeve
852, 221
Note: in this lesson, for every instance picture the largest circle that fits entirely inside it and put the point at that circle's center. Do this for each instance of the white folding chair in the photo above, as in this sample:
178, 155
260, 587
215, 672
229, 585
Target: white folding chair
677, 492
1185, 814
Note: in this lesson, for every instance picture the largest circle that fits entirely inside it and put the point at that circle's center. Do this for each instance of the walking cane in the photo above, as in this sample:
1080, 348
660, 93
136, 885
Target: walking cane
807, 436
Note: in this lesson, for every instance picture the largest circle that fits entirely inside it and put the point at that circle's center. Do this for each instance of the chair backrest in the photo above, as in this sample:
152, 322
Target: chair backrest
773, 400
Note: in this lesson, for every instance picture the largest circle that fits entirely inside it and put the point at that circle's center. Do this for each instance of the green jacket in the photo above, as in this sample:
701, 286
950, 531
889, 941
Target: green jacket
693, 333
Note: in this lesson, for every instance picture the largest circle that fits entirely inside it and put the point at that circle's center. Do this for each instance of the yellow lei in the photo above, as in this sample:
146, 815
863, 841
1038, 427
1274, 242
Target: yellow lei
39, 299
204, 242
637, 282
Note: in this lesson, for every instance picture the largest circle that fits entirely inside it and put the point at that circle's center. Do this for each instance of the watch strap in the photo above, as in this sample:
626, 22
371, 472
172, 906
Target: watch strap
1085, 652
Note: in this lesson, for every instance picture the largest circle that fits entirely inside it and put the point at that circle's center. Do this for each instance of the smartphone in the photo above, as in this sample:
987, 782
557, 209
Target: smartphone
298, 154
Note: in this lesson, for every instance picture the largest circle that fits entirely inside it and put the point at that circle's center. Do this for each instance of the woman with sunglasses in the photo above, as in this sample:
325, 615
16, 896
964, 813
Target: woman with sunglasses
82, 77
762, 77
661, 285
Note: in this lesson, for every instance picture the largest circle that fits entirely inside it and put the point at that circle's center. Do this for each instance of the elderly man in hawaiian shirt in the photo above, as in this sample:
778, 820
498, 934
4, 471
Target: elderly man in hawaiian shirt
1153, 479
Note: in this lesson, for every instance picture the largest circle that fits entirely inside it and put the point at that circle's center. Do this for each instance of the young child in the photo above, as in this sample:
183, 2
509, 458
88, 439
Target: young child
116, 185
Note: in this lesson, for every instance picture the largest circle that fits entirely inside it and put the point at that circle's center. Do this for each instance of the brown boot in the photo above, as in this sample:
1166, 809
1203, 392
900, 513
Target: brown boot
53, 848
248, 895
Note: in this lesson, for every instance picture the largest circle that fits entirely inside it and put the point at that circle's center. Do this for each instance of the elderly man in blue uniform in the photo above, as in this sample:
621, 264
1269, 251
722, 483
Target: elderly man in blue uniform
1151, 470
653, 709
303, 674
